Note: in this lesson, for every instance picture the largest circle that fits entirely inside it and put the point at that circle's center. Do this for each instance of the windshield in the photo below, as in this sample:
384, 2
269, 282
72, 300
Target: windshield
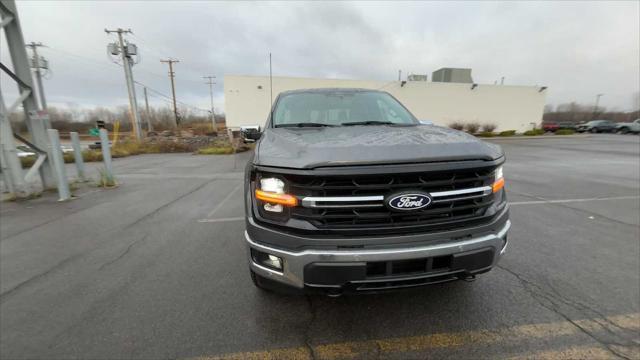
340, 109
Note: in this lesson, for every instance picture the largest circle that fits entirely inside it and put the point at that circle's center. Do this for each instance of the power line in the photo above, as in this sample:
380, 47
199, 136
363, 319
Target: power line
169, 99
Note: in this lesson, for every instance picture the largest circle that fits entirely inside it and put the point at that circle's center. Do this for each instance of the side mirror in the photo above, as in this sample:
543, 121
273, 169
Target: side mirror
252, 135
425, 122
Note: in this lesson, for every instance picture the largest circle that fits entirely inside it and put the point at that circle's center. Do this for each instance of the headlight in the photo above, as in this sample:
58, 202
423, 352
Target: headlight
498, 180
271, 194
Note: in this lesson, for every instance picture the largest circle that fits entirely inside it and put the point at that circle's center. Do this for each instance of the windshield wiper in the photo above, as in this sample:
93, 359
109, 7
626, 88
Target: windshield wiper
305, 124
370, 122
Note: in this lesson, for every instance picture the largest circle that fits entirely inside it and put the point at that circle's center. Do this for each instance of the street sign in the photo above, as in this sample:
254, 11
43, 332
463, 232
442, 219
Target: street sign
94, 132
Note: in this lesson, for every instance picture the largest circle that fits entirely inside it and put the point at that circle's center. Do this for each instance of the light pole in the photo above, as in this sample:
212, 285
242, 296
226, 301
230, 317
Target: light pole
595, 108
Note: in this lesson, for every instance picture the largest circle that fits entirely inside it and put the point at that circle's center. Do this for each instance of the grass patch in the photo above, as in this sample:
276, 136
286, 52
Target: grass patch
507, 133
223, 150
534, 132
565, 132
105, 179
486, 134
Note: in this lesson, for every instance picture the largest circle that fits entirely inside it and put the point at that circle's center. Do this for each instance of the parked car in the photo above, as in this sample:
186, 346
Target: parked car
630, 127
25, 151
566, 126
550, 127
597, 126
348, 192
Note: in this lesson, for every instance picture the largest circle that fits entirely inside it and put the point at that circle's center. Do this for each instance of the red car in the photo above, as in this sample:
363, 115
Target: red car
550, 127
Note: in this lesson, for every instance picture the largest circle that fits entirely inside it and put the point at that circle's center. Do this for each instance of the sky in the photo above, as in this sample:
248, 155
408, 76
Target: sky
576, 49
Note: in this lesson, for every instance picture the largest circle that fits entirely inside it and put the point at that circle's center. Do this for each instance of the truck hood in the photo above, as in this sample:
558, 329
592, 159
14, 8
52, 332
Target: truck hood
308, 148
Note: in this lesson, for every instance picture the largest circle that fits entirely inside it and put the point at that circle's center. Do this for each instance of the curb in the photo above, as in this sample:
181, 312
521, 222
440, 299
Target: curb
522, 137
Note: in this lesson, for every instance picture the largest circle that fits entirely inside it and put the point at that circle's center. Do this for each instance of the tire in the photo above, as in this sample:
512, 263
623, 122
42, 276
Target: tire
256, 279
593, 130
624, 130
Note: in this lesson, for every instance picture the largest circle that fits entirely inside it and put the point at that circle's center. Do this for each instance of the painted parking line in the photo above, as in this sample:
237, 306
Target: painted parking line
449, 340
564, 201
226, 198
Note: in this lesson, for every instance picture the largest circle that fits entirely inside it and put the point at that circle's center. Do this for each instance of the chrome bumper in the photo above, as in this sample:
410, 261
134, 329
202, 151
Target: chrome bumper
295, 262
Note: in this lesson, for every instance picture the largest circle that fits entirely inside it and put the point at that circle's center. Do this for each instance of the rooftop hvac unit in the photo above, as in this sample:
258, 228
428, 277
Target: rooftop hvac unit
452, 75
417, 77
113, 49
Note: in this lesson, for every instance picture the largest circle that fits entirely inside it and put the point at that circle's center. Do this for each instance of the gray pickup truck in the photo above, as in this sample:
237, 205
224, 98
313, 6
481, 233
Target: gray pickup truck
348, 192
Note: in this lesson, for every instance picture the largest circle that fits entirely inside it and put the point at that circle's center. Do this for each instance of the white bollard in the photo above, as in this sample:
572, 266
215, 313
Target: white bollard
58, 165
77, 154
106, 152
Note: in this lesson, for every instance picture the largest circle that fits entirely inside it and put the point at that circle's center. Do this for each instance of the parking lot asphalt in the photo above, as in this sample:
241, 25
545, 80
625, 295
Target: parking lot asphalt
156, 268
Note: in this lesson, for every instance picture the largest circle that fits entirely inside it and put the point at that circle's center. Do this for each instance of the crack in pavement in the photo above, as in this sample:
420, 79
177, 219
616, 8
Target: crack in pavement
539, 295
125, 252
5, 295
164, 206
307, 332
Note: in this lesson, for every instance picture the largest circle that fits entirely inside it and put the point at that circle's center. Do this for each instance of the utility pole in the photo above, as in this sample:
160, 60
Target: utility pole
270, 82
210, 82
172, 75
38, 63
146, 105
126, 51
595, 108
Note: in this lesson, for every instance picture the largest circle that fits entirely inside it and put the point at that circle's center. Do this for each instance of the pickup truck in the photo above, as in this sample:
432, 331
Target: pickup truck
630, 127
347, 192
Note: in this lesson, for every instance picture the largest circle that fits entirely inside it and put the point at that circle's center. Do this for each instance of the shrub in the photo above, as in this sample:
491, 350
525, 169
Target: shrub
534, 132
457, 125
472, 127
489, 128
91, 155
565, 132
27, 161
486, 134
507, 133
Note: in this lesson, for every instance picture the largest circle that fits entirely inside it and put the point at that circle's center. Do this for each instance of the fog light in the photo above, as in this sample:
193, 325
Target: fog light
273, 208
273, 261
266, 260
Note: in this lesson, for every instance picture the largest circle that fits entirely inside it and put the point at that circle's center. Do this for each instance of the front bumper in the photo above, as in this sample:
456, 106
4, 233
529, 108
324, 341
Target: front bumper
297, 263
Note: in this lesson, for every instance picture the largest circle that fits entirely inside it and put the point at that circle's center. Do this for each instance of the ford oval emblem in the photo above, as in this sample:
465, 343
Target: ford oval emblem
408, 201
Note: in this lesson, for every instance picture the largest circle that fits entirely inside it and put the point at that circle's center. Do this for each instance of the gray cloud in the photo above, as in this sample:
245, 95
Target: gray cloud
577, 49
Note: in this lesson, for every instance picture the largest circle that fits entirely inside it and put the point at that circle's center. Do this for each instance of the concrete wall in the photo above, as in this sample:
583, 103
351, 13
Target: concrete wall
509, 107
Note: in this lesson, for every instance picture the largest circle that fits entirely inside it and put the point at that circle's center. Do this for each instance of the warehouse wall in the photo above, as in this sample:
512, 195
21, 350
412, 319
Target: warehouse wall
509, 107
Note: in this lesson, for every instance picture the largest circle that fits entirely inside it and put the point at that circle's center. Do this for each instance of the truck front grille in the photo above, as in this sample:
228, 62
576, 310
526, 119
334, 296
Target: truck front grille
355, 202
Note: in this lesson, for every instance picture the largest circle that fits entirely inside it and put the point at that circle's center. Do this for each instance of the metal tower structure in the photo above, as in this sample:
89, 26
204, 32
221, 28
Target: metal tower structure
36, 121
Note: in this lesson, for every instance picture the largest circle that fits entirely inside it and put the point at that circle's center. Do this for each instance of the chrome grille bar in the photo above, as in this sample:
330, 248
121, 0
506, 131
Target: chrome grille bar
376, 200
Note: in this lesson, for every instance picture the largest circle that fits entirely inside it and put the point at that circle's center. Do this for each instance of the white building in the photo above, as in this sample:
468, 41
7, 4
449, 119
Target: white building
248, 100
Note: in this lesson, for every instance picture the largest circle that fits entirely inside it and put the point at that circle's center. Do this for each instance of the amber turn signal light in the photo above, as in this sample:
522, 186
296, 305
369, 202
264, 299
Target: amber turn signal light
273, 198
499, 184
